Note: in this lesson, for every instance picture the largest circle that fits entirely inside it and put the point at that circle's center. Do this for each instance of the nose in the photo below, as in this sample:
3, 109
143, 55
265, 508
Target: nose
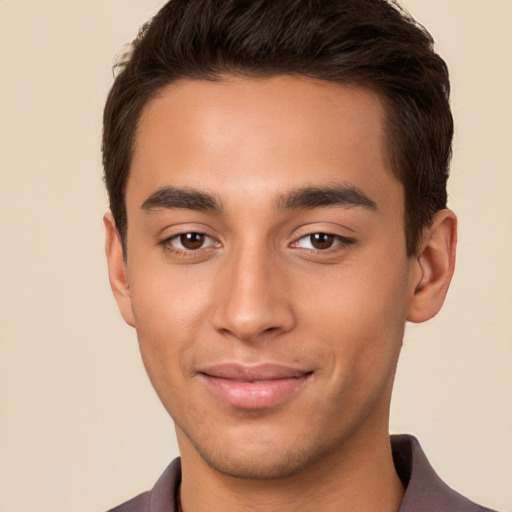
254, 302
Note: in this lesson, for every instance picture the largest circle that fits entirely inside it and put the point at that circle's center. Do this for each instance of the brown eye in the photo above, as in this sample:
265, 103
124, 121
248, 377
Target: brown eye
189, 243
322, 240
192, 241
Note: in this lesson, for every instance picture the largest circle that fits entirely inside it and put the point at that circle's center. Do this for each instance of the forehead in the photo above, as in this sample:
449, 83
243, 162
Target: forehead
279, 133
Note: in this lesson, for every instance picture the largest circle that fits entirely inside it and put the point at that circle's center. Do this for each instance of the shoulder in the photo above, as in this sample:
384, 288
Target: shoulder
161, 498
425, 491
138, 504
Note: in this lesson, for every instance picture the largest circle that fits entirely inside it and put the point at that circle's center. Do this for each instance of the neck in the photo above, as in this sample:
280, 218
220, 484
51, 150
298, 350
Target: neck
361, 476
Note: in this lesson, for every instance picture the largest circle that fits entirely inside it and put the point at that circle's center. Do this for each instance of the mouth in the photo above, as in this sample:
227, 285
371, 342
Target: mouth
253, 387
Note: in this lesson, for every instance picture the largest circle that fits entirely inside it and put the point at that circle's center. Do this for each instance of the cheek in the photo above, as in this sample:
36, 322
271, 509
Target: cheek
359, 312
358, 297
167, 298
168, 312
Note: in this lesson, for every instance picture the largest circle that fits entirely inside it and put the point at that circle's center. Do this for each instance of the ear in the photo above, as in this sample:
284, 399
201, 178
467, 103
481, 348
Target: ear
434, 267
117, 269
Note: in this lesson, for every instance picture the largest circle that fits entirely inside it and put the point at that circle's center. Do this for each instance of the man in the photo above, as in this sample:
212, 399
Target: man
277, 181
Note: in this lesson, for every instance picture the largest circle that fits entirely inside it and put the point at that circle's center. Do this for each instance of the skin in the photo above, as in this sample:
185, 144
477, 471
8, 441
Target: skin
257, 288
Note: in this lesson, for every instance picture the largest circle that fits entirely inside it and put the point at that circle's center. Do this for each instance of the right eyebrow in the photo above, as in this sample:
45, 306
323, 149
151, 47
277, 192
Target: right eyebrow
171, 198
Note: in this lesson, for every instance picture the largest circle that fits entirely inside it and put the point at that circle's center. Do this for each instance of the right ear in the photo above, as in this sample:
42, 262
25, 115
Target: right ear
117, 269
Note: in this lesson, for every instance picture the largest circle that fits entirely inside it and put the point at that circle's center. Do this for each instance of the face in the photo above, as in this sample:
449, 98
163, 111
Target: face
266, 269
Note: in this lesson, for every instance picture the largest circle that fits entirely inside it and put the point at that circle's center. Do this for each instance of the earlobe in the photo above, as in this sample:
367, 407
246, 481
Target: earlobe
435, 264
117, 269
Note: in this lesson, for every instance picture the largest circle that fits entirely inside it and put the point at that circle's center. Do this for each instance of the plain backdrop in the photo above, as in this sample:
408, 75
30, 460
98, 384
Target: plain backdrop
80, 426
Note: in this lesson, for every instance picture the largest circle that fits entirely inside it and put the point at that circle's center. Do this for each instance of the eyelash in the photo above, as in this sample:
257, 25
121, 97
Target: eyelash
341, 242
170, 249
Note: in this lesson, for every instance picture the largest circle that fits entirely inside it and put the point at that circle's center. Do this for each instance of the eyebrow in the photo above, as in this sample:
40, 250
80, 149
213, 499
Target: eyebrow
303, 198
330, 195
171, 198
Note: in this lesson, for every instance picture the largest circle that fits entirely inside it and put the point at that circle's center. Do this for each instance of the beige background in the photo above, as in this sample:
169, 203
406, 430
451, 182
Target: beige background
80, 428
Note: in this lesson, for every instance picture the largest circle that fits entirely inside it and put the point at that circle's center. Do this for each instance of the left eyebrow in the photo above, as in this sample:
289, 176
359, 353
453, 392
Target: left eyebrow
172, 198
330, 195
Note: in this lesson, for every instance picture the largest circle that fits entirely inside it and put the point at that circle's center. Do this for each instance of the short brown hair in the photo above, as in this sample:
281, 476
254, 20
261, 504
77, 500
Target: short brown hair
372, 43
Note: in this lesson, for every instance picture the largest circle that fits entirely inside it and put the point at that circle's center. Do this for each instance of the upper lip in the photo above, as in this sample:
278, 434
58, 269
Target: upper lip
266, 371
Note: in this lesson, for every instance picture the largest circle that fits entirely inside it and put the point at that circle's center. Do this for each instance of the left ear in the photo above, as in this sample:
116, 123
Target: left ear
435, 263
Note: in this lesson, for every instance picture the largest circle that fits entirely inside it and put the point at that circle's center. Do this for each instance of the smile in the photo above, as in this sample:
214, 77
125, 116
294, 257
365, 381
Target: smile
254, 387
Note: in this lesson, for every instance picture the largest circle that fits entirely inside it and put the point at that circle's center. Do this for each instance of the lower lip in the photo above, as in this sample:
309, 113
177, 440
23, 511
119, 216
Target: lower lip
253, 394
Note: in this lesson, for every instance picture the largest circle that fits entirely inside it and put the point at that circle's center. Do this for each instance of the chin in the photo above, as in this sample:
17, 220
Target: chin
258, 466
260, 458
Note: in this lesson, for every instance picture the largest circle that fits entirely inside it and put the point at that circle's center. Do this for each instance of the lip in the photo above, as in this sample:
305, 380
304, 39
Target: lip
253, 387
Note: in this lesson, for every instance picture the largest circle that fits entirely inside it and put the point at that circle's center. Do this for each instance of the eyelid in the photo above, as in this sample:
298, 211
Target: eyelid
341, 240
179, 235
172, 249
343, 233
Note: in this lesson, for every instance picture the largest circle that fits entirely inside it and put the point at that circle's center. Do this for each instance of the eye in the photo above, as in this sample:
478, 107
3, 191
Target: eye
190, 241
321, 241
